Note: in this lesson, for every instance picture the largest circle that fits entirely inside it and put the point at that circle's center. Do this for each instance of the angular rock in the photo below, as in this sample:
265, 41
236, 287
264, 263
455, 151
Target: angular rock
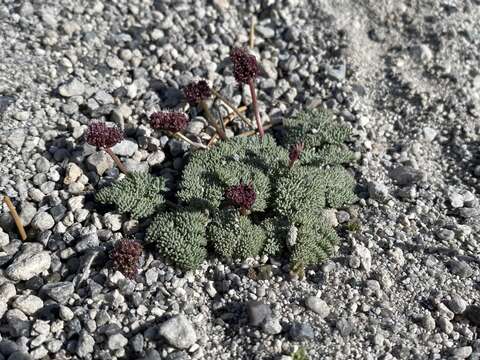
42, 221
73, 87
345, 326
4, 239
117, 341
28, 304
336, 73
126, 147
318, 306
31, 261
300, 331
16, 138
60, 291
406, 175
179, 332
100, 161
462, 352
85, 344
28, 213
258, 312
271, 326
378, 191
72, 173
17, 322
365, 256
457, 304
7, 291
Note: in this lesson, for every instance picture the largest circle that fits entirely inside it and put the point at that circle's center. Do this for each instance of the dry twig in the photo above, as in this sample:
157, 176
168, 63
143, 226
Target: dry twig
252, 33
229, 118
16, 218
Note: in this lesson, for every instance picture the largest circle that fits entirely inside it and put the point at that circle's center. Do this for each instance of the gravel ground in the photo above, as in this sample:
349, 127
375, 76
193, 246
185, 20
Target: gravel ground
405, 284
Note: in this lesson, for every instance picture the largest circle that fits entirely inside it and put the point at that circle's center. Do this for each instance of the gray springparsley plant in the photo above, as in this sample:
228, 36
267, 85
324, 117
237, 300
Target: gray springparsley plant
286, 202
247, 196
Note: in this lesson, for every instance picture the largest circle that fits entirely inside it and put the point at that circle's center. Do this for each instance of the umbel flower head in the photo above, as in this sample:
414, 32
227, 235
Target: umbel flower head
241, 195
294, 153
103, 136
169, 120
125, 257
196, 92
245, 66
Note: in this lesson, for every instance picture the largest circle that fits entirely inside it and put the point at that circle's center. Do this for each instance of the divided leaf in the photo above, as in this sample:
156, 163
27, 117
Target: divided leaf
180, 237
139, 194
277, 211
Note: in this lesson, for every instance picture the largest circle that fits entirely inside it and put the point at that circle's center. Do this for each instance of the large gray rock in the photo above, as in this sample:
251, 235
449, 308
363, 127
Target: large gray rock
7, 291
258, 312
300, 331
85, 345
457, 304
271, 326
126, 147
16, 138
318, 306
17, 322
28, 304
100, 161
43, 221
406, 175
179, 332
73, 87
117, 341
31, 261
60, 291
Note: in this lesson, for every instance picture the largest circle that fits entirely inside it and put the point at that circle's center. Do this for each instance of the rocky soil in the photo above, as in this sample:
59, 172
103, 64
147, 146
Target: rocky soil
405, 283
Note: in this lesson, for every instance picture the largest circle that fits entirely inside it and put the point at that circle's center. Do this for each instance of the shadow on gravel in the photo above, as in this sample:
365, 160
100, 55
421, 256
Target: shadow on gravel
461, 157
439, 250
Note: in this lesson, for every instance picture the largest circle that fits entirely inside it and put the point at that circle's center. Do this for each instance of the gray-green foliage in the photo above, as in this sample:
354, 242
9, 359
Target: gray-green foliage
287, 216
139, 194
209, 173
235, 236
180, 236
289, 203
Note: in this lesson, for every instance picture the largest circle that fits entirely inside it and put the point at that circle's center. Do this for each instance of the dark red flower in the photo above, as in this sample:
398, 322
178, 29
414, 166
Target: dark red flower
169, 120
103, 136
196, 92
241, 195
295, 152
245, 66
125, 257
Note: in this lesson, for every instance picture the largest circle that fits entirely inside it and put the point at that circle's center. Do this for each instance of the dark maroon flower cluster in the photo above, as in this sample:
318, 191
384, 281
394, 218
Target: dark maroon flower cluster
242, 195
245, 66
169, 120
295, 152
125, 257
196, 92
103, 136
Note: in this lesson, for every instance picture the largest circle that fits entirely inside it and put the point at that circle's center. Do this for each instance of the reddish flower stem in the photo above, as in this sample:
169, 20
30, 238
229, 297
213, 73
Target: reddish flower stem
117, 161
211, 121
251, 84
